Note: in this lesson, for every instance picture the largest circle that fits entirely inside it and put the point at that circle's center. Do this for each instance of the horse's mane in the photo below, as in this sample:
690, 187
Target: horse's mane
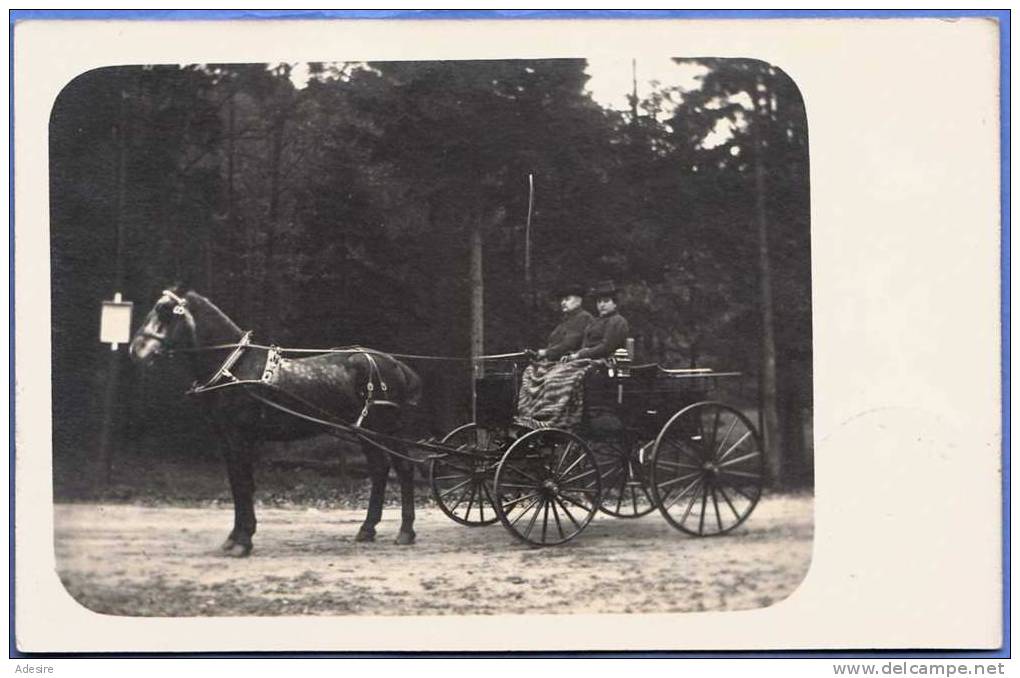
193, 296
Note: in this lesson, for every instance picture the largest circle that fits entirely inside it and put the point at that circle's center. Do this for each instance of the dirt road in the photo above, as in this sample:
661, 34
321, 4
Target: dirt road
163, 561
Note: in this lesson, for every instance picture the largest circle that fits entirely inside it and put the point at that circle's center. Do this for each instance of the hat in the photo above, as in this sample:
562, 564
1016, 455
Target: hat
570, 289
606, 288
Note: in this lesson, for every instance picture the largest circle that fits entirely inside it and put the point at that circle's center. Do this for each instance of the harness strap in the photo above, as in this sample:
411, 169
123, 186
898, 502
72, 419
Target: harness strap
179, 302
374, 370
373, 374
224, 370
273, 359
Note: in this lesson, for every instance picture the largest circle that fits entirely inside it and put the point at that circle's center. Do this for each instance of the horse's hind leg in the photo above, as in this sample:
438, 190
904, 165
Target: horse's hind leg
405, 472
378, 469
242, 487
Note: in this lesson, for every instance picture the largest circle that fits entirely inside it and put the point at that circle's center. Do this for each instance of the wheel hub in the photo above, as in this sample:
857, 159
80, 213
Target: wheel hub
550, 487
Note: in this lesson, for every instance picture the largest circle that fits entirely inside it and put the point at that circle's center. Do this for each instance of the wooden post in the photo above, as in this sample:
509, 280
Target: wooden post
105, 461
527, 235
530, 304
477, 308
104, 472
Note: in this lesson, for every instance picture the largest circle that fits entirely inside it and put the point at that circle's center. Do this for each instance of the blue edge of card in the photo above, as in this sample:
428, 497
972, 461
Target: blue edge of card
1003, 18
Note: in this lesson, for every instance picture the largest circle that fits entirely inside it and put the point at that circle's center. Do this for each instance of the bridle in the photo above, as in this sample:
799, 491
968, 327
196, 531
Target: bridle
180, 308
222, 377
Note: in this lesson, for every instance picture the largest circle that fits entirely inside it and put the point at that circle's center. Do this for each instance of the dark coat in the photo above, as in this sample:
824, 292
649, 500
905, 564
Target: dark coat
568, 335
604, 335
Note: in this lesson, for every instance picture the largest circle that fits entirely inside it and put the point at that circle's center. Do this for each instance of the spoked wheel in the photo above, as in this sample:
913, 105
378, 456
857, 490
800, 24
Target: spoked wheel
547, 487
624, 478
707, 469
462, 483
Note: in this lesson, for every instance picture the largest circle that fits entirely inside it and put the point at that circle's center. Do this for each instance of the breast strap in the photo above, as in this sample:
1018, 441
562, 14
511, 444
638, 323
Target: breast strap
273, 359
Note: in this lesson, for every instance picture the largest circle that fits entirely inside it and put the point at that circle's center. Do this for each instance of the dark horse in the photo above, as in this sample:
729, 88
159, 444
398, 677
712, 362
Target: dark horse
255, 393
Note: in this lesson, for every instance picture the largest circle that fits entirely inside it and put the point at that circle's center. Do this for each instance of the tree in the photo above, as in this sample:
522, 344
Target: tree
766, 117
321, 215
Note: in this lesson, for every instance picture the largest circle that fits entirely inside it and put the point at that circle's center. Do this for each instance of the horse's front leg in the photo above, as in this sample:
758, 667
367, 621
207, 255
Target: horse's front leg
405, 473
378, 470
242, 487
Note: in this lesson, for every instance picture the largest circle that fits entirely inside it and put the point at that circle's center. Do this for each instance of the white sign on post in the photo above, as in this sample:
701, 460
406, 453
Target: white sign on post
115, 322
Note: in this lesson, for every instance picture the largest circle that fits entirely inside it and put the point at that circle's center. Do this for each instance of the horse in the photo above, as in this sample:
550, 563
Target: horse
255, 393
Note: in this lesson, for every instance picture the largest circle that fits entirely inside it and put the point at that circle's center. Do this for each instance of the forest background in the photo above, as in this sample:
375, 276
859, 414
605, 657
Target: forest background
386, 204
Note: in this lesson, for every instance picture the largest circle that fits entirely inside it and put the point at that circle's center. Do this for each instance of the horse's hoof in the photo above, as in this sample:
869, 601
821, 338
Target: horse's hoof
239, 551
404, 538
365, 535
228, 545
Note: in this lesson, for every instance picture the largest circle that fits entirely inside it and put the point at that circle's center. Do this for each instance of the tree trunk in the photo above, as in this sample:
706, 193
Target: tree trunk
270, 277
771, 433
244, 256
797, 467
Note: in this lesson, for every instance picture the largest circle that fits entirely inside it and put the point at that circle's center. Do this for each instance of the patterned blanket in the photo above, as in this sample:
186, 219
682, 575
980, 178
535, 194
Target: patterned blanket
552, 395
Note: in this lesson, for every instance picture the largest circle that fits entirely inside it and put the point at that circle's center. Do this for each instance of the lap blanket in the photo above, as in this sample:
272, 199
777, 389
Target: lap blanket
552, 395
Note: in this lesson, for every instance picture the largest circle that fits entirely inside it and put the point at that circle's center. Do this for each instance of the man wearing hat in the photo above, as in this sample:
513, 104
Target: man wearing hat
569, 334
606, 333
549, 394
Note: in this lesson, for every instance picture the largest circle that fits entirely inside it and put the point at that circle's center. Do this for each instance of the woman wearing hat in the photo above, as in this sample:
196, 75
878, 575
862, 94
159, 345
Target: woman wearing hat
606, 333
569, 334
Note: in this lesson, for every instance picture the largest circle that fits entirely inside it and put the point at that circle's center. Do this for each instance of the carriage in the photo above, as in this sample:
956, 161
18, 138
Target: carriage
649, 439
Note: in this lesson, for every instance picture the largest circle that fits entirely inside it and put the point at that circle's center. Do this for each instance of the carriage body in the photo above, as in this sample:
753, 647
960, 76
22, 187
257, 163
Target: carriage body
649, 438
638, 400
495, 393
642, 400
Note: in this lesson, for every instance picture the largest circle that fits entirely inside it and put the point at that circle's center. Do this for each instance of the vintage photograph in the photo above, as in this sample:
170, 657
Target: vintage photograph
397, 338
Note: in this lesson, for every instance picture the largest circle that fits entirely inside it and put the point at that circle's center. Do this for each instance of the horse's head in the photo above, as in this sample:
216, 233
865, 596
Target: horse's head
168, 325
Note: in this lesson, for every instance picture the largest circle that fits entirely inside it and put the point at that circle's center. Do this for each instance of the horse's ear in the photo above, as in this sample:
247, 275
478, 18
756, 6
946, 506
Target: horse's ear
181, 287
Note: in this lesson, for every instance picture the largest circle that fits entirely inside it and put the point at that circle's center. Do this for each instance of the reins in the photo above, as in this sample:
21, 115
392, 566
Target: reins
346, 349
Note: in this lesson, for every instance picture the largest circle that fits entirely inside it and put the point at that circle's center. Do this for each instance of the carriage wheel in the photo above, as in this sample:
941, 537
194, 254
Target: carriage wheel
707, 469
547, 487
624, 478
462, 483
